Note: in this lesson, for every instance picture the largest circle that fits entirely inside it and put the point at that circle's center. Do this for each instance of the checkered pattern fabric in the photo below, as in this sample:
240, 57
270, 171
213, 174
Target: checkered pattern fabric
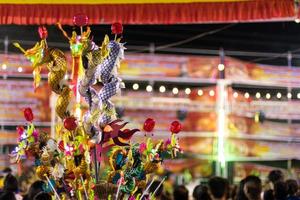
104, 71
109, 90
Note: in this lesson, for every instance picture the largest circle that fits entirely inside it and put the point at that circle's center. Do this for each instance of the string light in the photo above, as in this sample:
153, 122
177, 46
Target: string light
135, 86
235, 95
268, 95
279, 95
211, 93
149, 88
246, 95
257, 95
175, 90
162, 89
200, 92
188, 91
221, 67
20, 69
4, 66
289, 95
298, 95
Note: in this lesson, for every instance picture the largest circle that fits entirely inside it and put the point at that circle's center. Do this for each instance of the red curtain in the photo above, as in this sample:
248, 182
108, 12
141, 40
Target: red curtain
257, 10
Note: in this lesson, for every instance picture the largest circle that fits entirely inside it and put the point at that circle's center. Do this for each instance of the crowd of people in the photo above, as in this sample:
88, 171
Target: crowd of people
217, 188
10, 189
249, 188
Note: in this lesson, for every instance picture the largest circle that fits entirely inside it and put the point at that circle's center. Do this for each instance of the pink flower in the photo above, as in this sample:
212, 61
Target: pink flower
131, 198
143, 147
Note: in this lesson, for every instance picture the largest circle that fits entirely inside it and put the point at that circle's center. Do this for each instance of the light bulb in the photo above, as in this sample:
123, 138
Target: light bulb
235, 95
135, 86
149, 88
289, 95
278, 95
257, 95
211, 93
200, 92
246, 95
268, 95
20, 69
221, 67
162, 89
187, 91
4, 66
175, 90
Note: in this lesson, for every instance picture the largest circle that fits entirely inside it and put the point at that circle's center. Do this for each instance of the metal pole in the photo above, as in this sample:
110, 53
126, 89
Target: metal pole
6, 43
289, 89
222, 112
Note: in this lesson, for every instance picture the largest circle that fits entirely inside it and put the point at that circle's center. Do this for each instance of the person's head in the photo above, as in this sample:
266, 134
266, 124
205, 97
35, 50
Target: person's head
253, 187
180, 193
275, 176
7, 170
201, 193
218, 188
233, 191
269, 195
280, 190
10, 183
35, 188
159, 190
292, 187
240, 193
42, 196
7, 196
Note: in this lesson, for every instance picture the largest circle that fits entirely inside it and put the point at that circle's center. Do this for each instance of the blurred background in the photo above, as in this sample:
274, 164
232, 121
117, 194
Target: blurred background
232, 79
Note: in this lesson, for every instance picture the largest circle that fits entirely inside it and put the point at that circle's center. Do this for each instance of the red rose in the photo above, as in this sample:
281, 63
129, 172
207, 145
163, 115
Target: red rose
70, 123
80, 20
149, 125
28, 114
117, 28
43, 32
175, 127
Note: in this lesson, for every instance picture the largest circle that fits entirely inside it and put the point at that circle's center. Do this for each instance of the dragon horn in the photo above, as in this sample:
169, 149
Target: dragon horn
62, 30
19, 47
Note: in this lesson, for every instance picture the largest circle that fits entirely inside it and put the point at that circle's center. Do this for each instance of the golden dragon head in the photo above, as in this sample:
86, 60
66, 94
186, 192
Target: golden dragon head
35, 54
78, 43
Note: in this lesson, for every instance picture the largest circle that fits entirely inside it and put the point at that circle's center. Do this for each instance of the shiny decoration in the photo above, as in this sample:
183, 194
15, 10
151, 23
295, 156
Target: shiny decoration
43, 33
69, 164
42, 171
117, 28
175, 127
149, 125
28, 114
132, 165
70, 123
56, 62
80, 20
102, 65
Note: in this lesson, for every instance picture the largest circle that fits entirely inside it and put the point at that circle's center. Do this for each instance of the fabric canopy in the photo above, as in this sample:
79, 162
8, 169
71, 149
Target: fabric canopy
27, 12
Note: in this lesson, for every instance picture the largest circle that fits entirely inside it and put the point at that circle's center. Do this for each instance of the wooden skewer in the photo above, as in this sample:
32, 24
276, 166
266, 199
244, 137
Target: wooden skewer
52, 187
161, 182
147, 188
85, 192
